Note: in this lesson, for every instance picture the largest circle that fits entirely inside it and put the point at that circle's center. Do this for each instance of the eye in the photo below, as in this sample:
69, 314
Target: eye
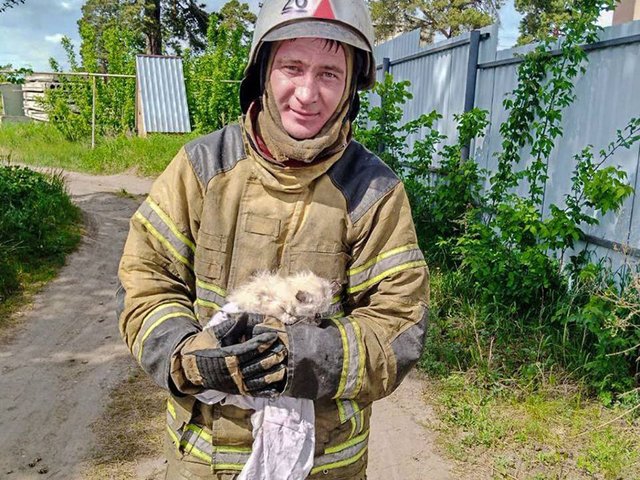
291, 68
329, 75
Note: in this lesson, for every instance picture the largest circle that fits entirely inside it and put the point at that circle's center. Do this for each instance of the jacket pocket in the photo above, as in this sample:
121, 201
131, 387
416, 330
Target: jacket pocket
211, 254
327, 262
262, 225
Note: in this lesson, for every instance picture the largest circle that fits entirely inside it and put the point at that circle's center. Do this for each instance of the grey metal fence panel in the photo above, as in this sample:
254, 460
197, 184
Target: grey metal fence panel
163, 94
437, 74
401, 46
608, 95
602, 106
593, 120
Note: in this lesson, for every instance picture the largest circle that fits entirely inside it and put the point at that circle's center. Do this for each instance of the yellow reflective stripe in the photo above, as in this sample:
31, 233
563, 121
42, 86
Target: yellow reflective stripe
341, 413
211, 287
229, 449
353, 426
162, 240
191, 449
172, 226
360, 376
386, 273
382, 256
153, 327
171, 409
345, 359
199, 431
341, 463
355, 406
347, 444
188, 447
207, 303
346, 461
164, 305
228, 466
360, 420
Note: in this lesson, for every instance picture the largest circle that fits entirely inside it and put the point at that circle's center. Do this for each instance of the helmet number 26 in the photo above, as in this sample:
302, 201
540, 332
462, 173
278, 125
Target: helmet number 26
299, 4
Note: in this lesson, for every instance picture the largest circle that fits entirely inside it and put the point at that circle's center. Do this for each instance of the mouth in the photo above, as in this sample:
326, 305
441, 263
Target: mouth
303, 114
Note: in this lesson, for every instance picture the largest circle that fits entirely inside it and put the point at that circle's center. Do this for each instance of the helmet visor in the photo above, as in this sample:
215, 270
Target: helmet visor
317, 29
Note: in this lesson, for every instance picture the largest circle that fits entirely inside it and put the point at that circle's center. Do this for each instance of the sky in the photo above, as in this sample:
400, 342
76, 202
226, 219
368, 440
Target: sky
30, 34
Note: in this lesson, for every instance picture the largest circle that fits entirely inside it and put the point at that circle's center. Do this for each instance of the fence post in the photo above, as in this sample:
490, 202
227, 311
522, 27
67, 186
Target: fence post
93, 112
386, 65
470, 88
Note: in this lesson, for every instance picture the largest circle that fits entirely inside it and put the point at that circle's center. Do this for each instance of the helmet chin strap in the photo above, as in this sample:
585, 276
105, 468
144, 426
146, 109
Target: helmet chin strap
358, 64
263, 66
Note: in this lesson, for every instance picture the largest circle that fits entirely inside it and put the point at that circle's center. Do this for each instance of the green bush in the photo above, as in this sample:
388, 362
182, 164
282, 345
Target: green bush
38, 219
70, 105
213, 78
8, 272
509, 300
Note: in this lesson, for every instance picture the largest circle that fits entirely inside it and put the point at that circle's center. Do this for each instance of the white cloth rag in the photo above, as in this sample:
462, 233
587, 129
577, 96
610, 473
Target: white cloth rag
283, 429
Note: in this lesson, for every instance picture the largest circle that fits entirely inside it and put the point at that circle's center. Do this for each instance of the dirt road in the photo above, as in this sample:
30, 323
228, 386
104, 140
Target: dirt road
59, 365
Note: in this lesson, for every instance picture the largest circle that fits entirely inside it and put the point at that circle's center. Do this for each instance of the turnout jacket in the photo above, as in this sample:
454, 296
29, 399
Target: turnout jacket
219, 213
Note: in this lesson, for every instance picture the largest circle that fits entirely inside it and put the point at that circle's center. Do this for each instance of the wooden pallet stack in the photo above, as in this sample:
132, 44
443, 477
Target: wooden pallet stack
33, 91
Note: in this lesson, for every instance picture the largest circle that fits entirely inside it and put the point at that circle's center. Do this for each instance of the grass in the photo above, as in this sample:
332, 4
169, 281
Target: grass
130, 430
41, 144
39, 226
553, 432
506, 408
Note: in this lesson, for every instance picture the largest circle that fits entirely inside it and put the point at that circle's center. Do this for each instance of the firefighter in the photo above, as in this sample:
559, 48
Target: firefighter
285, 190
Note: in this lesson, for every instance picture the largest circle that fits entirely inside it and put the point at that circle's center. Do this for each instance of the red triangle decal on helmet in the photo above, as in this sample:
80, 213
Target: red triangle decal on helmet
325, 10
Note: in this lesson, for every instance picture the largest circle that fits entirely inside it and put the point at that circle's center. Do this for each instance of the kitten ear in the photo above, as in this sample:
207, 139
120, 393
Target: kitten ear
304, 297
336, 287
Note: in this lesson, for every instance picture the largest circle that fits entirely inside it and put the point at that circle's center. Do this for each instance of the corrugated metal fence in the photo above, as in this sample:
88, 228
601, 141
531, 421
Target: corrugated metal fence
443, 77
162, 96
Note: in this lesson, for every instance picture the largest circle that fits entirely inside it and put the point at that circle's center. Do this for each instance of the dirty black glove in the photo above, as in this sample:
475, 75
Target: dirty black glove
315, 356
237, 328
224, 359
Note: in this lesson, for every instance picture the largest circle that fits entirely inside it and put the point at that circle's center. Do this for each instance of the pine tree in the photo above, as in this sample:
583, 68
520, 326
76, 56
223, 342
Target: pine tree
9, 4
433, 17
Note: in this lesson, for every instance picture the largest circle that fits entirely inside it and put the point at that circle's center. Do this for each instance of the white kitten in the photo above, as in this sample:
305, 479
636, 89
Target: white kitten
302, 296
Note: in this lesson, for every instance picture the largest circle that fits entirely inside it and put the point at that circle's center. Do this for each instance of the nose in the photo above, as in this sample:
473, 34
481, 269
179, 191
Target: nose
307, 90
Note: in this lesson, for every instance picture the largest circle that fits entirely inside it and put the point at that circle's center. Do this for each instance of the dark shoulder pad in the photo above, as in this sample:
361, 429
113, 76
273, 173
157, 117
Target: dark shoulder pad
216, 152
362, 178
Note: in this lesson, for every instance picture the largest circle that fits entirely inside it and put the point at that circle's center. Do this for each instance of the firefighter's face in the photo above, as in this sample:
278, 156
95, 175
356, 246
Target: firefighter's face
308, 79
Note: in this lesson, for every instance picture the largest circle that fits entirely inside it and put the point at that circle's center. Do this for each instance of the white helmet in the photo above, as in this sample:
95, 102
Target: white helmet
346, 21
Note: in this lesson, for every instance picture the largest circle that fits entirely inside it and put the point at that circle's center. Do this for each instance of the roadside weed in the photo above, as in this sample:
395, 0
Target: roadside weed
609, 453
499, 431
39, 226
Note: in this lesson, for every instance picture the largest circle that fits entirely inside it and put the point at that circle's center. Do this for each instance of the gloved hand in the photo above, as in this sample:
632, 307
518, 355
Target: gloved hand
214, 359
315, 359
237, 327
270, 325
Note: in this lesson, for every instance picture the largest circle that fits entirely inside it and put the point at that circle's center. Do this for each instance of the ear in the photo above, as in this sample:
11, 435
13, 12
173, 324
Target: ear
304, 297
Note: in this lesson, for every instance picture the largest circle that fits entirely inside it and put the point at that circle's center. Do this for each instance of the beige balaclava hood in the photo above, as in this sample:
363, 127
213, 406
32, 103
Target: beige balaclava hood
331, 139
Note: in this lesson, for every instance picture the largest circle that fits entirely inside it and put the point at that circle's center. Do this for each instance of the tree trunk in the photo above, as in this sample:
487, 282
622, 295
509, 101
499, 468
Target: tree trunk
153, 27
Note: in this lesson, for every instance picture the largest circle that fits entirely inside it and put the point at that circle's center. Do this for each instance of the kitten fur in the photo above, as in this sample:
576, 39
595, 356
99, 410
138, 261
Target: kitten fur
302, 296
